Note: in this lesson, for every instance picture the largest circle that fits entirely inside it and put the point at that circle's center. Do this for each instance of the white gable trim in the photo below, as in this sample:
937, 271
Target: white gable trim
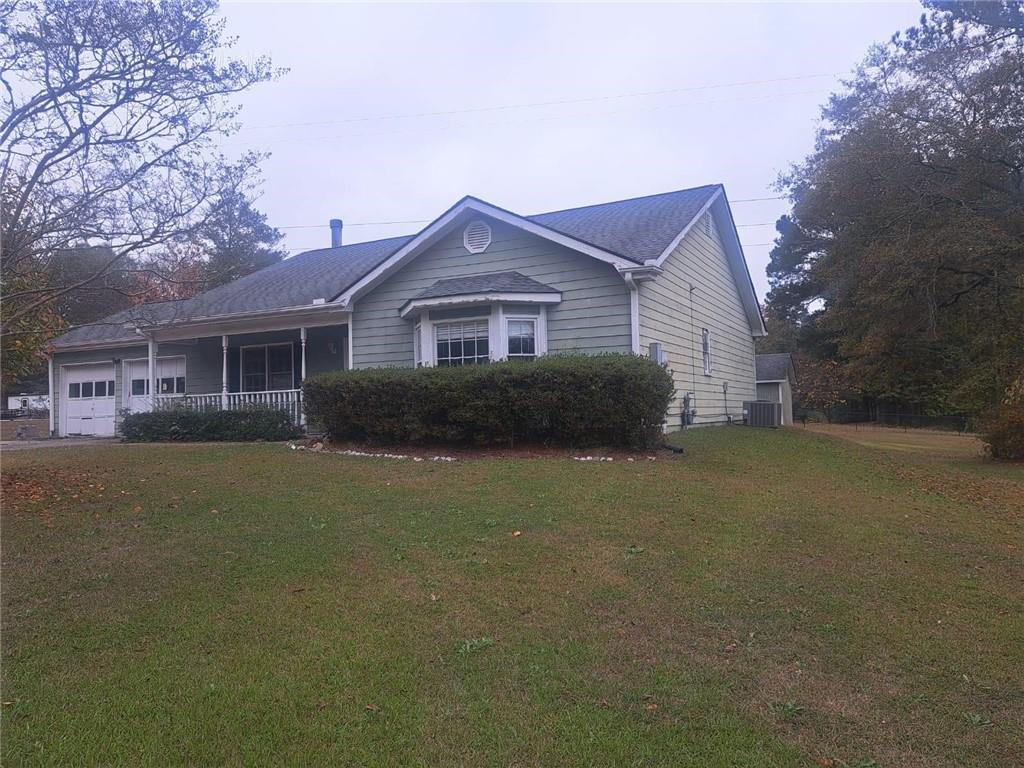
686, 230
719, 209
439, 227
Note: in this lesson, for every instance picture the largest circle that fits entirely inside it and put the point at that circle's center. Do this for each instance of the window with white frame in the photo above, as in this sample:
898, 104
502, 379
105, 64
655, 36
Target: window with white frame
267, 367
522, 338
417, 345
462, 343
705, 340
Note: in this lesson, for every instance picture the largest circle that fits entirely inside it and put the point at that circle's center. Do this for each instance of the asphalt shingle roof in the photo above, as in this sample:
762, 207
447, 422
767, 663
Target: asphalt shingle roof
506, 282
638, 229
773, 367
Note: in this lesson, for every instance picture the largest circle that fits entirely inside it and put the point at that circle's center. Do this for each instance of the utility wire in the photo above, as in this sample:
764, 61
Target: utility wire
420, 129
551, 103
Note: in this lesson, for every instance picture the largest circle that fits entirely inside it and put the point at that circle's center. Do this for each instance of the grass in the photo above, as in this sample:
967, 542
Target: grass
771, 598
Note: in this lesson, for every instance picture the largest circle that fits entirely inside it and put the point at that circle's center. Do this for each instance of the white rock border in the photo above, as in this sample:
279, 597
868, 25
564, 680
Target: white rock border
318, 447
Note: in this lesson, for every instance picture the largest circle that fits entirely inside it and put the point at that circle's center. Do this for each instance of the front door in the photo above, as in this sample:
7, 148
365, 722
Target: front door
170, 373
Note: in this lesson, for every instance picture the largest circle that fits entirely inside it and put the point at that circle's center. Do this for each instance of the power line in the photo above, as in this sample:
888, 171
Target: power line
542, 118
527, 105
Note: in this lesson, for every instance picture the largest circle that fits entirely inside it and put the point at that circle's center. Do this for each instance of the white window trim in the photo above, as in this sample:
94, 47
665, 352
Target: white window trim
266, 357
497, 332
540, 332
458, 320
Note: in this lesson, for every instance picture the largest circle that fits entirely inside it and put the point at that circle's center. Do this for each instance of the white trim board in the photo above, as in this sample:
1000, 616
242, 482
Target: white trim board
470, 299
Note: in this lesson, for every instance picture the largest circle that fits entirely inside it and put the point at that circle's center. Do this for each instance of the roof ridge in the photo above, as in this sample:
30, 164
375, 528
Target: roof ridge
624, 200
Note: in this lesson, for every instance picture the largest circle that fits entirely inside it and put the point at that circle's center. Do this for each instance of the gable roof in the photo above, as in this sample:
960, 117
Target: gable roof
633, 232
774, 367
639, 229
506, 282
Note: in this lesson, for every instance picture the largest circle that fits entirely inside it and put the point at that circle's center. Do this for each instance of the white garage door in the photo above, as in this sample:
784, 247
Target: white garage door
87, 399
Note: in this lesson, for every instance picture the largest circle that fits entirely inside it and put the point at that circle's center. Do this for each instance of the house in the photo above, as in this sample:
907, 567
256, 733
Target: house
663, 274
28, 402
776, 376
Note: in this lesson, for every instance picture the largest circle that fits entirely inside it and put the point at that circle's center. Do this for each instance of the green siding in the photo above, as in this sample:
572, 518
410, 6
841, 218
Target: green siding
665, 316
592, 317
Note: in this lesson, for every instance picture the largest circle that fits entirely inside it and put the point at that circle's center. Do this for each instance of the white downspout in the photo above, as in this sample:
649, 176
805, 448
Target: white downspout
153, 388
53, 396
634, 311
351, 317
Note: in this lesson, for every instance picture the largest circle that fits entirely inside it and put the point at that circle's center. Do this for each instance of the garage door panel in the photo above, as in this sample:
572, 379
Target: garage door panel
87, 399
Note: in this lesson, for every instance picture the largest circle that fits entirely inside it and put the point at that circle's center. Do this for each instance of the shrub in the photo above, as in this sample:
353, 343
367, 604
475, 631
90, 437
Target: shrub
1004, 432
184, 424
572, 400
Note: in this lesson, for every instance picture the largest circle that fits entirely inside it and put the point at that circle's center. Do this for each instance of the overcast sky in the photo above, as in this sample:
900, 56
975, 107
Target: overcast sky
542, 106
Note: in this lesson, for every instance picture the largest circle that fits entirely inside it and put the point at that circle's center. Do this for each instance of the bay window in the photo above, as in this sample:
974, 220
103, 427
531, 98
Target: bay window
522, 339
462, 343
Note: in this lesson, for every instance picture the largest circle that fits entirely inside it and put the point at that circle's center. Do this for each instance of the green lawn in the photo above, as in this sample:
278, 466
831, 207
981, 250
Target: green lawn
771, 598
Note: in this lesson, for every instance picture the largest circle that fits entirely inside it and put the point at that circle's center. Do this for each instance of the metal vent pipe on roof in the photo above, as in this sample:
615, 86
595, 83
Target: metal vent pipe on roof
336, 225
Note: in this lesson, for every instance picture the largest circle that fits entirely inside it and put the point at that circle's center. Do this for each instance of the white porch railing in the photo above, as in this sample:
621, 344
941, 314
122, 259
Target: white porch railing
288, 400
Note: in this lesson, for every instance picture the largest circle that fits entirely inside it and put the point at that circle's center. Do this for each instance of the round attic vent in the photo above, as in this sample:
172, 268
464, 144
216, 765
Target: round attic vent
477, 237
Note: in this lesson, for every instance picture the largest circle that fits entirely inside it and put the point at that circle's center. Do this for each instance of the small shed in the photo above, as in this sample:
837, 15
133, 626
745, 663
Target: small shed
776, 376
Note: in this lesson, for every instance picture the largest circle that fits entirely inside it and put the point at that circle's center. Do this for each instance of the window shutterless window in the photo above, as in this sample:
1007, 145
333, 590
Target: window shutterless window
268, 367
86, 389
74, 390
279, 366
465, 343
417, 345
522, 339
140, 387
100, 388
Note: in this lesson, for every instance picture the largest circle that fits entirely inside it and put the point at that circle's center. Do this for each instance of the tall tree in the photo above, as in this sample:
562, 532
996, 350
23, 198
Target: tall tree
111, 113
903, 258
237, 239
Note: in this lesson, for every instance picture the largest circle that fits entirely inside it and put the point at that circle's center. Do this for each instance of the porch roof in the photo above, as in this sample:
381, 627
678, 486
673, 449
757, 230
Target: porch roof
506, 282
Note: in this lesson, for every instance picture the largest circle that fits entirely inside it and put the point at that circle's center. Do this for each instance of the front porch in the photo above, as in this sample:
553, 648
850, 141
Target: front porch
235, 371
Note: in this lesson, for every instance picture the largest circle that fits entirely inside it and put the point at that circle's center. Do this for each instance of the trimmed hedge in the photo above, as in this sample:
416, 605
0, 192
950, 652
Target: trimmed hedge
573, 400
184, 424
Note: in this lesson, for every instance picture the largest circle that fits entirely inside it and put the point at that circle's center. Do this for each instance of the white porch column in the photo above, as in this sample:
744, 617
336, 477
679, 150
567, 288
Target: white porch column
153, 387
224, 373
302, 343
